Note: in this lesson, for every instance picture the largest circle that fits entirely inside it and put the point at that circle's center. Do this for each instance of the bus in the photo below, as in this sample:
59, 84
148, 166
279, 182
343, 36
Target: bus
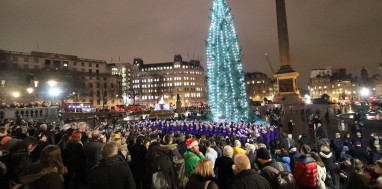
129, 108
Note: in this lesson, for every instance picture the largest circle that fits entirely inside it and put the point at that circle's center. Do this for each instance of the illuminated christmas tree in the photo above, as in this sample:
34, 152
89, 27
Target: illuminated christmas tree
226, 88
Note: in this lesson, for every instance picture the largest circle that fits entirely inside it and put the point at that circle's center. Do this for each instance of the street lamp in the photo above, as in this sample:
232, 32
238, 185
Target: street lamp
52, 83
54, 92
16, 94
365, 92
30, 90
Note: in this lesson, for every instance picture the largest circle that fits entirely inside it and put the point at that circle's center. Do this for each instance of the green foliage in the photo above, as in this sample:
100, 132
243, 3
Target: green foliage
227, 91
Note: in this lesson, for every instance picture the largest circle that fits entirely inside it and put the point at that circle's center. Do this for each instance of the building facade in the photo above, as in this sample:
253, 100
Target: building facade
124, 70
76, 79
151, 82
336, 83
259, 86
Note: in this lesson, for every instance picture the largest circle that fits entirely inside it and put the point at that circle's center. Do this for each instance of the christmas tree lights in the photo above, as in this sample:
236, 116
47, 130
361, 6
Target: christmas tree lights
226, 88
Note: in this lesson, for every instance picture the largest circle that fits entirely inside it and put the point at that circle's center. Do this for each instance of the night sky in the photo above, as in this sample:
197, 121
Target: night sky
337, 33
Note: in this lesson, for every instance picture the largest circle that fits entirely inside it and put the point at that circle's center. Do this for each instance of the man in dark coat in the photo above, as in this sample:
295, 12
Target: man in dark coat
266, 162
246, 177
290, 126
93, 150
138, 155
360, 153
111, 172
337, 145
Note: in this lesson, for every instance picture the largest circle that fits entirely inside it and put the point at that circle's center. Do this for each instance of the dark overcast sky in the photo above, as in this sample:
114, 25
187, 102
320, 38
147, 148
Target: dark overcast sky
340, 33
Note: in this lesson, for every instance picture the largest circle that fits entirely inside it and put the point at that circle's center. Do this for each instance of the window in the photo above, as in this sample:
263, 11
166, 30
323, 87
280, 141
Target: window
83, 70
15, 58
35, 60
91, 85
26, 66
97, 71
82, 64
74, 63
98, 102
104, 78
90, 64
97, 65
90, 71
112, 85
105, 85
98, 93
98, 85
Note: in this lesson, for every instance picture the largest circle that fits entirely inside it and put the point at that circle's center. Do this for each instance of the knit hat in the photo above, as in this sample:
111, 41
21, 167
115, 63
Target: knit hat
263, 153
191, 143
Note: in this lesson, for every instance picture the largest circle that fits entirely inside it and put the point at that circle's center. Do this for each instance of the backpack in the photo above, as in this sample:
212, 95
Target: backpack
179, 165
285, 179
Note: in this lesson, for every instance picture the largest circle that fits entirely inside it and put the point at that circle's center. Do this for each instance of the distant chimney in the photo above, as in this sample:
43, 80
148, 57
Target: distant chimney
177, 58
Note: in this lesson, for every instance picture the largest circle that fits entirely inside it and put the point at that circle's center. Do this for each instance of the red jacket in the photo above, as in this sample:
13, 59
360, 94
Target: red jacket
305, 171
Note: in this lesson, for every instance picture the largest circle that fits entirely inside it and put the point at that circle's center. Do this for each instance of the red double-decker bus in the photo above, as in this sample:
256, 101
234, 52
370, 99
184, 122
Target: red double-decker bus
125, 108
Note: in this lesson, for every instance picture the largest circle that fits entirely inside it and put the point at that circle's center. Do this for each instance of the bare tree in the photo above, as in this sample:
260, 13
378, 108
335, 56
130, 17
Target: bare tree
133, 94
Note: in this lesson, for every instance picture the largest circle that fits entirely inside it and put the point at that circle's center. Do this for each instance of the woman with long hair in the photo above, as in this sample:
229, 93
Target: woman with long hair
357, 179
321, 171
76, 160
158, 165
49, 172
63, 144
202, 177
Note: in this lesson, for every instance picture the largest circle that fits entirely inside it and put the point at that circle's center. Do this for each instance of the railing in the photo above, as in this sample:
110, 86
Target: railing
45, 114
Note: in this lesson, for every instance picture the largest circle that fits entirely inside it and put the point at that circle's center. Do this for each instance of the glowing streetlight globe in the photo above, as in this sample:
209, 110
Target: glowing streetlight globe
30, 90
52, 83
54, 92
16, 94
365, 92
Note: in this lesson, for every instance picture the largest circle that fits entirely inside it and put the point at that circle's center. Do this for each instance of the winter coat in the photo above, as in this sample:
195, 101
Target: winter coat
211, 154
269, 175
218, 150
112, 172
248, 179
360, 153
328, 158
293, 159
199, 182
159, 162
93, 152
238, 150
171, 150
321, 177
76, 158
191, 161
305, 171
16, 163
52, 180
36, 152
223, 169
137, 164
376, 155
252, 159
286, 161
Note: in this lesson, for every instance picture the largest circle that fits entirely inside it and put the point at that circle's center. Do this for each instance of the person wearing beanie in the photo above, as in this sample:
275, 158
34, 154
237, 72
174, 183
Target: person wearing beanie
268, 167
192, 156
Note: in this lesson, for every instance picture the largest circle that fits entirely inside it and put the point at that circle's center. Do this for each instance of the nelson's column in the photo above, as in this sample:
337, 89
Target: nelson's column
287, 92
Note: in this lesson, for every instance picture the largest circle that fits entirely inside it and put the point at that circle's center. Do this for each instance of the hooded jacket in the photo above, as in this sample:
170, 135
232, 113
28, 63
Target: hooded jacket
328, 158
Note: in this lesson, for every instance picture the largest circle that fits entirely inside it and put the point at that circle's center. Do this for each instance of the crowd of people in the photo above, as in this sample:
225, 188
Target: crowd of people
195, 154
